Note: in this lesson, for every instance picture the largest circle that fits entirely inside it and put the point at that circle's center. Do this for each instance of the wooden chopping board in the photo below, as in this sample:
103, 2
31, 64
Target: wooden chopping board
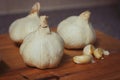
12, 66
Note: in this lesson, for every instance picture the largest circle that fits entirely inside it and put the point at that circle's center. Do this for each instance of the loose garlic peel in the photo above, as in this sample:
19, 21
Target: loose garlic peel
76, 31
23, 26
42, 48
82, 59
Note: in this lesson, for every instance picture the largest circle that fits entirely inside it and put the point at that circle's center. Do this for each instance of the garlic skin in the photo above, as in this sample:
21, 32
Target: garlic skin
42, 48
23, 26
76, 31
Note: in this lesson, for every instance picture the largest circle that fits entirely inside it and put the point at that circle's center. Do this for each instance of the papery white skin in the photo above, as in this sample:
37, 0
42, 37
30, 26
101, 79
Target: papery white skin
42, 48
23, 26
76, 31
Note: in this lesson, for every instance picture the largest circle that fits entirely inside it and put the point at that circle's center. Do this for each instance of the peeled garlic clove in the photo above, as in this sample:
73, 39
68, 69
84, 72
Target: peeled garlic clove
42, 48
76, 31
98, 53
88, 50
23, 26
82, 59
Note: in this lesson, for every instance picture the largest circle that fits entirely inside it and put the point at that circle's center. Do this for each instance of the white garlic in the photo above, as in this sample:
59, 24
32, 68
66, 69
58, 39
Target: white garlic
23, 26
82, 59
42, 48
88, 50
76, 31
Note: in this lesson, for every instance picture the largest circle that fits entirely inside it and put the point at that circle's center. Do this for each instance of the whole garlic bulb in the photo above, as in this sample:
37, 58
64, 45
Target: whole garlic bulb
42, 48
76, 31
23, 26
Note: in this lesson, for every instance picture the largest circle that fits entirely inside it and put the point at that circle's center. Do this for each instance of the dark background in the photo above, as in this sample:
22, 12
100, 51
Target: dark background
105, 18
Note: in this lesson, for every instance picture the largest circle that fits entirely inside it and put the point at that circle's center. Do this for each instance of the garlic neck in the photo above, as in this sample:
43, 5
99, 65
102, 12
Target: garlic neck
35, 14
83, 19
44, 30
35, 9
44, 27
85, 15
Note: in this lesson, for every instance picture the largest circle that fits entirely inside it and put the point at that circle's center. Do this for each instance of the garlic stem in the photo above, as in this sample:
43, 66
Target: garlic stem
43, 21
85, 15
35, 8
44, 24
98, 53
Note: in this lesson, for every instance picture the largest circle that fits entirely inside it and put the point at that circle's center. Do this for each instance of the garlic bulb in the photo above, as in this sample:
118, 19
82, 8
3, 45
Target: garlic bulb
76, 31
42, 48
23, 26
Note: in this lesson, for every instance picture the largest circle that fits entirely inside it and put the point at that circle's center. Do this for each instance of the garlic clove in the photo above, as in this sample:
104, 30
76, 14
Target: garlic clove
82, 59
88, 50
98, 53
25, 25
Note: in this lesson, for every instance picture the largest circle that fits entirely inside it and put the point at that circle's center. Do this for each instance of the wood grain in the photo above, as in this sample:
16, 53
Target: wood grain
12, 66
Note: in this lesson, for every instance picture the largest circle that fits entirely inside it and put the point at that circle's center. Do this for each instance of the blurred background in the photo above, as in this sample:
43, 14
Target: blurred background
105, 15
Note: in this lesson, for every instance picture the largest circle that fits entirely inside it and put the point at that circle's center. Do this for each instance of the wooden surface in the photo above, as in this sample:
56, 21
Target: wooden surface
12, 66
